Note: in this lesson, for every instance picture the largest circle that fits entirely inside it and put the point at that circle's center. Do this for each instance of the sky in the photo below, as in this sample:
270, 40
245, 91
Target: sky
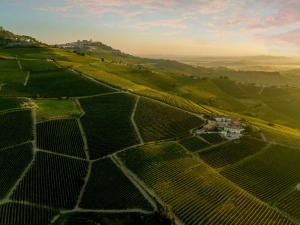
177, 27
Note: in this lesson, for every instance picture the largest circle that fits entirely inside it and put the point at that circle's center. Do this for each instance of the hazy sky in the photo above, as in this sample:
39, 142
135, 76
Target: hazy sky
185, 27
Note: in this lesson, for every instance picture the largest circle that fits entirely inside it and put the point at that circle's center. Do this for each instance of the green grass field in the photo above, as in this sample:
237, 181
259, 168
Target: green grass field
51, 109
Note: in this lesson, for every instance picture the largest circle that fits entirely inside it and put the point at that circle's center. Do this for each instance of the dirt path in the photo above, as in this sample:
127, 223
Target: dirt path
261, 90
64, 155
19, 64
147, 192
34, 142
90, 96
263, 136
10, 193
99, 211
202, 139
128, 173
93, 79
85, 142
12, 146
80, 107
122, 91
56, 64
27, 78
133, 122
122, 150
86, 180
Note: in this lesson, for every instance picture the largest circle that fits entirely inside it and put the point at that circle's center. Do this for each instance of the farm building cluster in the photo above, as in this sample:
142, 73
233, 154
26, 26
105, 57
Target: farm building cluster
227, 126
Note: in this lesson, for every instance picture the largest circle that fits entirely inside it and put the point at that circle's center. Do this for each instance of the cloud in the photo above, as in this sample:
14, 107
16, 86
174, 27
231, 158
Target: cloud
172, 33
283, 13
290, 38
172, 23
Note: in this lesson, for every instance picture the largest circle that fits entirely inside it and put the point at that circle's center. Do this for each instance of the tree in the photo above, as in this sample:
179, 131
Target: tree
271, 124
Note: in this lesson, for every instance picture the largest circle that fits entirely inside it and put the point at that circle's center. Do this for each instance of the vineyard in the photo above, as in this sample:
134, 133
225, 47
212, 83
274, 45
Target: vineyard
104, 192
82, 153
30, 65
16, 127
232, 152
14, 160
114, 130
61, 136
290, 204
53, 181
62, 82
194, 144
181, 181
120, 82
10, 103
93, 218
14, 213
231, 88
281, 137
157, 121
213, 138
268, 174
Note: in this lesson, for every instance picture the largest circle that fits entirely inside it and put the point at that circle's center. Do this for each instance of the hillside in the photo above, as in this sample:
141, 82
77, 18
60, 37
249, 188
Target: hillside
87, 139
11, 40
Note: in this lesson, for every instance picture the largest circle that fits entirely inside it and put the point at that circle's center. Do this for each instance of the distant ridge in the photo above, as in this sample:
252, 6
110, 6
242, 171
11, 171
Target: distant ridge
11, 40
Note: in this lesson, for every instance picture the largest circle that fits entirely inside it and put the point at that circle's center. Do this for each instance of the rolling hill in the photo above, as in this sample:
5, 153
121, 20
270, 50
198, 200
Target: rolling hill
89, 141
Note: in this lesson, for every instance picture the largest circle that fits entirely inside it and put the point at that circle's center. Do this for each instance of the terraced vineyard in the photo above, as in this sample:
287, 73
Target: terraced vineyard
268, 174
181, 181
114, 130
157, 121
281, 137
16, 127
61, 136
194, 144
104, 192
14, 160
14, 213
290, 204
54, 181
62, 82
49, 177
213, 138
231, 88
30, 65
232, 152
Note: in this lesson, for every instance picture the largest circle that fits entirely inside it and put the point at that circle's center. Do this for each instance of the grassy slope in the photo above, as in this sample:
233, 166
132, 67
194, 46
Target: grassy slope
49, 109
